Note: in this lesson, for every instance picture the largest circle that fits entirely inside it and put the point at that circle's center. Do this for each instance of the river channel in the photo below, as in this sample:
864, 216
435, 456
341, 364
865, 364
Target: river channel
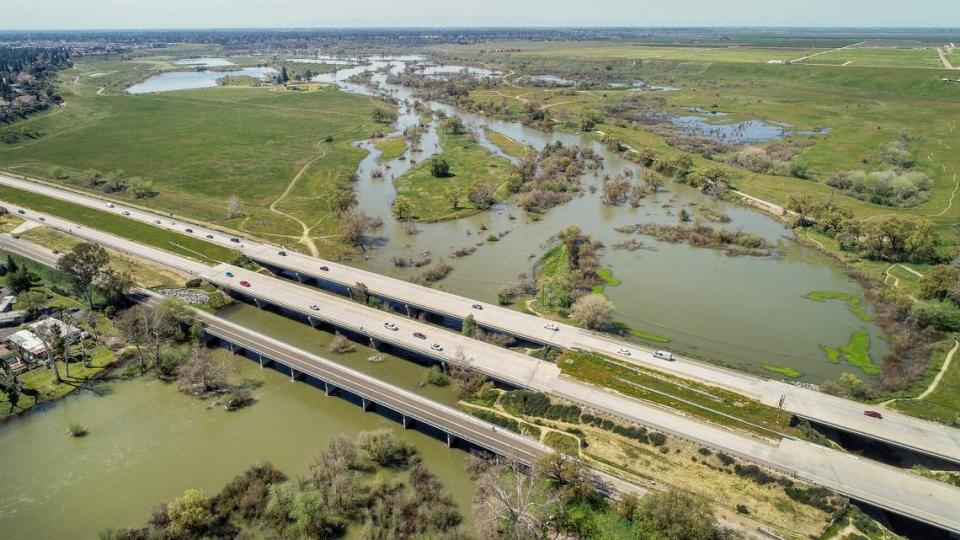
148, 442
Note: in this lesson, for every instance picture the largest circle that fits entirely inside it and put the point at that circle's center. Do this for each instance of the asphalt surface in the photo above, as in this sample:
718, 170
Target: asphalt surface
895, 428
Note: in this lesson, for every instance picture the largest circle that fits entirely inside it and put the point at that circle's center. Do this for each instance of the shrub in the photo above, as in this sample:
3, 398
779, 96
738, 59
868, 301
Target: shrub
658, 439
439, 168
938, 315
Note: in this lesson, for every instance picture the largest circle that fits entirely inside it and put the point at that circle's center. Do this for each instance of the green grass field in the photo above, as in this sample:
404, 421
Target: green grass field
391, 148
943, 404
180, 244
508, 145
202, 146
470, 164
881, 57
632, 51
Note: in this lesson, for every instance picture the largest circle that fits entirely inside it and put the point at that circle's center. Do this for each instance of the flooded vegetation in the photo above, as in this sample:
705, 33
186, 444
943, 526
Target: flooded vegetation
666, 289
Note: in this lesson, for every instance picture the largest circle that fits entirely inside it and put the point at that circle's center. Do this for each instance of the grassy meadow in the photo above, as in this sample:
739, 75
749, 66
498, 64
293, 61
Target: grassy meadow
470, 164
199, 147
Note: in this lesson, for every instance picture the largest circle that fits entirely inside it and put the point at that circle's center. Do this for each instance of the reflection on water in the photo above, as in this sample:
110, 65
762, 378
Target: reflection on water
190, 80
204, 62
742, 311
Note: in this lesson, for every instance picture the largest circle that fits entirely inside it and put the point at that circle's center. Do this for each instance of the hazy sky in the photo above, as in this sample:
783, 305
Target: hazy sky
55, 14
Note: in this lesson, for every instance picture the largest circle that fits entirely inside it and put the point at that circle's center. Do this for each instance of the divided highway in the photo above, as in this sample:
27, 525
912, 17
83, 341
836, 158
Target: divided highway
895, 428
887, 487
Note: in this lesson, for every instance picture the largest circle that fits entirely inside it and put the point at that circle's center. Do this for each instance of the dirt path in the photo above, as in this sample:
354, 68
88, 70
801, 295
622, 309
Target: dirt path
944, 60
305, 238
896, 281
943, 369
801, 59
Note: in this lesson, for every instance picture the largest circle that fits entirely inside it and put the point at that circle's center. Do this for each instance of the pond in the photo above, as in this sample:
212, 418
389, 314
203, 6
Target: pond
148, 442
191, 80
747, 132
745, 312
455, 70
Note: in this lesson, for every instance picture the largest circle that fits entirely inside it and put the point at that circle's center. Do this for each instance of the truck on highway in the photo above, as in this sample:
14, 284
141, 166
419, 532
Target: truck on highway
664, 355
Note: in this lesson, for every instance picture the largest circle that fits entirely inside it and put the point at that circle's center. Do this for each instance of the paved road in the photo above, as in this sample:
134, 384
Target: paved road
899, 429
903, 492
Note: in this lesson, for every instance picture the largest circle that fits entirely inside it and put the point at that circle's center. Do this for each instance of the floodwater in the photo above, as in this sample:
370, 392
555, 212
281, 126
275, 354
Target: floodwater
204, 62
456, 70
747, 132
191, 80
745, 312
148, 443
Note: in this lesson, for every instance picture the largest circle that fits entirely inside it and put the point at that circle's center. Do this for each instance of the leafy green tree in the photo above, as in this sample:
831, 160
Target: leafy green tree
382, 115
343, 200
454, 126
20, 280
32, 302
937, 282
469, 327
677, 515
83, 265
402, 207
311, 518
189, 514
439, 168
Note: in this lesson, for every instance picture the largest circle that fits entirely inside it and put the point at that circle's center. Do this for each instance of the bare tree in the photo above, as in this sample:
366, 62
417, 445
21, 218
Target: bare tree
512, 504
134, 324
592, 311
354, 224
200, 375
46, 335
233, 206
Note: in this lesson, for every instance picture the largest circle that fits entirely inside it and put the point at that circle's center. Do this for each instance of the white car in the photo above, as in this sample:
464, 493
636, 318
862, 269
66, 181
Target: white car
110, 205
391, 326
625, 352
664, 355
314, 307
552, 327
436, 347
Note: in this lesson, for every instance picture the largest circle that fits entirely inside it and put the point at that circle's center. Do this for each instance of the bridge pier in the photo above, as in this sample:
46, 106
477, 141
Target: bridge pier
293, 375
312, 321
298, 276
409, 313
406, 421
366, 404
257, 302
450, 440
373, 344
328, 388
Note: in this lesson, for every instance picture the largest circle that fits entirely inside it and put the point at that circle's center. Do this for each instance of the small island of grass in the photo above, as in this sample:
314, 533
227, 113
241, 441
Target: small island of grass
475, 181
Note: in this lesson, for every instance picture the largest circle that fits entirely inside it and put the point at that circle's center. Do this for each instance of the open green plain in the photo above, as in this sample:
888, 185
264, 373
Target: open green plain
200, 147
470, 164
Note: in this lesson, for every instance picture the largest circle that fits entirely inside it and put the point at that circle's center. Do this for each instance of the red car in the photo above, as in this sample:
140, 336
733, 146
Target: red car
873, 414
244, 283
